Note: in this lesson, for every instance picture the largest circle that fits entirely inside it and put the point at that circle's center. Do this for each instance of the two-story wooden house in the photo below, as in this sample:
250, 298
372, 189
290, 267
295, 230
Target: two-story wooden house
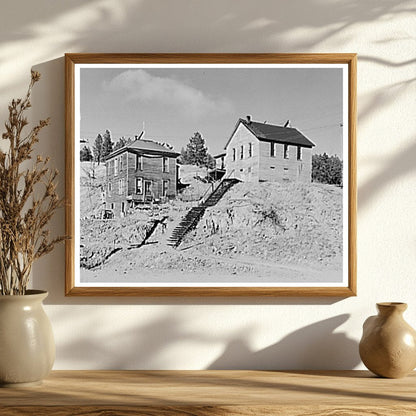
266, 152
140, 172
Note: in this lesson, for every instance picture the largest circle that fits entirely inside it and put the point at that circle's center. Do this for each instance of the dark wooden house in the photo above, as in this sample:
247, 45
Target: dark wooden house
141, 172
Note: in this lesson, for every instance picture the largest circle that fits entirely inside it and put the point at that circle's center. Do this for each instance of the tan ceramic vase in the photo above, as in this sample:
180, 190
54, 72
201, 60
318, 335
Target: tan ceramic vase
388, 344
27, 347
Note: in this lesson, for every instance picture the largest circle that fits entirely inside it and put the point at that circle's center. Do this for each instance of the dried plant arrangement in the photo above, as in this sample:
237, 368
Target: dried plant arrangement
28, 199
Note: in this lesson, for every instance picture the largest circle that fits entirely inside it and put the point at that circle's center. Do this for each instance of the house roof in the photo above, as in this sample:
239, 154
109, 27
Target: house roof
273, 133
145, 147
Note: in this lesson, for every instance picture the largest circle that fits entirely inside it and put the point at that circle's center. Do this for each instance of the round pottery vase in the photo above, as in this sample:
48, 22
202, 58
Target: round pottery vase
27, 347
388, 345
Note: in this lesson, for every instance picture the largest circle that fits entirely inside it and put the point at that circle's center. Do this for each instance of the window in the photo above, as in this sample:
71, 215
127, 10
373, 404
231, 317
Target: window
272, 149
286, 151
147, 187
112, 205
121, 162
234, 155
121, 186
299, 153
139, 186
116, 166
110, 188
250, 149
165, 188
165, 164
139, 162
242, 152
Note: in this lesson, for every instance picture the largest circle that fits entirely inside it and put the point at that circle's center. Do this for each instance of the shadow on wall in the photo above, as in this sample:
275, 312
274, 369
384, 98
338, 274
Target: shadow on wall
143, 347
393, 169
314, 347
153, 344
133, 26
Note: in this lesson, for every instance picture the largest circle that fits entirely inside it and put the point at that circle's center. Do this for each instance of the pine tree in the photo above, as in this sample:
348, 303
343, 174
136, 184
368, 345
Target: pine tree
85, 154
327, 169
196, 153
98, 148
120, 143
107, 146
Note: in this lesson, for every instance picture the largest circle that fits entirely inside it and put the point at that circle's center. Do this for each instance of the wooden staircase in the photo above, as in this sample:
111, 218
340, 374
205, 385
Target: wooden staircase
194, 215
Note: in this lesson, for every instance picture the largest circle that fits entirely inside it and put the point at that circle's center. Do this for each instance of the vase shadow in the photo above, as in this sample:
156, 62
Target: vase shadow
314, 347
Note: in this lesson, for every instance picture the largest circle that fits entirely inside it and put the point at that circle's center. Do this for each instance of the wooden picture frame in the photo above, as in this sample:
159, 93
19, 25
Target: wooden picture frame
106, 86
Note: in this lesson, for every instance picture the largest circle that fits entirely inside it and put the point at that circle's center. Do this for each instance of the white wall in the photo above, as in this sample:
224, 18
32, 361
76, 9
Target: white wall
197, 333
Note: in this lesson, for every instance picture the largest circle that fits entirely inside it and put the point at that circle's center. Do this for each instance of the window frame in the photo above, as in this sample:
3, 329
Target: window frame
272, 149
138, 179
139, 162
165, 164
116, 166
299, 153
285, 151
165, 187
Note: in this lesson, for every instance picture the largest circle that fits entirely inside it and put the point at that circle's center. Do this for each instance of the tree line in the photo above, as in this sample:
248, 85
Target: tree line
195, 153
103, 146
327, 169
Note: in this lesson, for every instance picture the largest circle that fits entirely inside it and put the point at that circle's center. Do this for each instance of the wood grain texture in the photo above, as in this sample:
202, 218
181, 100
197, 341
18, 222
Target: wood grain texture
325, 58
69, 174
352, 177
203, 393
341, 292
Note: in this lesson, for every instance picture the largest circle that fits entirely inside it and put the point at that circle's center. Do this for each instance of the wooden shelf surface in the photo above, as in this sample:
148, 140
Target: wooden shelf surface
202, 393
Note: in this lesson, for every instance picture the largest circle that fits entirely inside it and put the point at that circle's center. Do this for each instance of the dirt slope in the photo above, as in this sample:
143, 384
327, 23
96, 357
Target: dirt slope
289, 223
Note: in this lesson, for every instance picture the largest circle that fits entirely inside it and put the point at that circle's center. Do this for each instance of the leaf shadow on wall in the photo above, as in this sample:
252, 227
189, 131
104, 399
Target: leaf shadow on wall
143, 346
395, 168
313, 347
106, 26
151, 345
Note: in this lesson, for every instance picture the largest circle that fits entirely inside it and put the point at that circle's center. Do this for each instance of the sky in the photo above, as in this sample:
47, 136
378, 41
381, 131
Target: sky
174, 103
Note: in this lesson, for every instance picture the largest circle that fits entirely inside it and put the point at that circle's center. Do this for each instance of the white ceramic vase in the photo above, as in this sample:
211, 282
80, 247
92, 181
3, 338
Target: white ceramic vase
27, 347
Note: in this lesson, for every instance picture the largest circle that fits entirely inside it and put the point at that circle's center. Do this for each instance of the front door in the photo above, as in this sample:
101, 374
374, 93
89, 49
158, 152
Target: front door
148, 190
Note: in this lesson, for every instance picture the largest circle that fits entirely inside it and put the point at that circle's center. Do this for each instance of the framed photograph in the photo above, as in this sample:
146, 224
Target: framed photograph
211, 174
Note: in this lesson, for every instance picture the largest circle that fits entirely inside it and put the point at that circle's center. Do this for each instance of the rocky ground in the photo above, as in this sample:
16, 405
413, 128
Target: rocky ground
263, 231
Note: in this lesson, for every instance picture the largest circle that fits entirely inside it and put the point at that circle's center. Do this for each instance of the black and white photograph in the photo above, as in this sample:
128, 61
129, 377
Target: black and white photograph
211, 175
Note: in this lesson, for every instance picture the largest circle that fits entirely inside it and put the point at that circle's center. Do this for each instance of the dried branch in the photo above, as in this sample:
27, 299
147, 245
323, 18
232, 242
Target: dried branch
23, 218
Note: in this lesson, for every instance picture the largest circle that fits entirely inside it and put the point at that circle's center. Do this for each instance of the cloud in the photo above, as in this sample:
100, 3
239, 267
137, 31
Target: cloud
141, 86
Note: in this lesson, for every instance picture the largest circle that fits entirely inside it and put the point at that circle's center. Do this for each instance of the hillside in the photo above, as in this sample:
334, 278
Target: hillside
257, 232
288, 223
92, 185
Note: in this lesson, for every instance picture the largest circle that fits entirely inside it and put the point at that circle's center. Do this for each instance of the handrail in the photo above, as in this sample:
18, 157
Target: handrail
204, 197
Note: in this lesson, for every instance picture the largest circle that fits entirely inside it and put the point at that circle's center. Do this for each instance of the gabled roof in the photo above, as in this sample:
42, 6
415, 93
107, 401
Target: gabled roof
273, 133
149, 145
145, 147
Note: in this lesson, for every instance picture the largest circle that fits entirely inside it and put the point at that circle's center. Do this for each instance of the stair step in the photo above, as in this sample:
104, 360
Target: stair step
194, 215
